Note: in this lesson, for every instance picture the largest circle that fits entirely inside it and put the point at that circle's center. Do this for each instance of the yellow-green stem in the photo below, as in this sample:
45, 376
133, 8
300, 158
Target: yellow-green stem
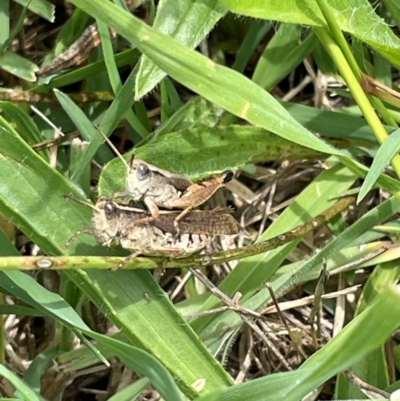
354, 85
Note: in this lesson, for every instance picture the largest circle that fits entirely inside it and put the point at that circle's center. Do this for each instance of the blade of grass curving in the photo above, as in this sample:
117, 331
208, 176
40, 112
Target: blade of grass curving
132, 300
116, 84
373, 367
40, 7
214, 82
143, 363
114, 114
82, 73
385, 153
283, 54
87, 130
131, 392
24, 392
186, 21
53, 305
38, 366
254, 36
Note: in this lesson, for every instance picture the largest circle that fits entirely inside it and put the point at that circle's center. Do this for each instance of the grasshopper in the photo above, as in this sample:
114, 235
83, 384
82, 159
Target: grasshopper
114, 223
161, 188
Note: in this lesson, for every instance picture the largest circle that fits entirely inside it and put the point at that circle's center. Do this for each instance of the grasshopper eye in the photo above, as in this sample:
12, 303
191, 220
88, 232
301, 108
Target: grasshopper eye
142, 171
109, 209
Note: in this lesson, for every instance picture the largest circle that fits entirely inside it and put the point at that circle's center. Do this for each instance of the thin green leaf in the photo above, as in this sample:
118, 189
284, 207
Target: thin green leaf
40, 7
283, 53
4, 23
143, 363
114, 114
131, 392
33, 375
373, 367
23, 390
24, 123
88, 131
79, 74
6, 37
382, 158
18, 66
254, 36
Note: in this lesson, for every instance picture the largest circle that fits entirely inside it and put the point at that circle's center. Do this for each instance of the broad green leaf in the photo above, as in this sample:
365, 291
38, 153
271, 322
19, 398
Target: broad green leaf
189, 22
222, 148
382, 158
333, 123
353, 16
196, 113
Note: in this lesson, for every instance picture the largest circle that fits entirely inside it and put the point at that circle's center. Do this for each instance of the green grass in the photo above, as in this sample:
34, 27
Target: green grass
231, 121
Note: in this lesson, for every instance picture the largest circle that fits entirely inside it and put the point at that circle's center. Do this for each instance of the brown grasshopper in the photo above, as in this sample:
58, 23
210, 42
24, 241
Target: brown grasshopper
161, 188
114, 223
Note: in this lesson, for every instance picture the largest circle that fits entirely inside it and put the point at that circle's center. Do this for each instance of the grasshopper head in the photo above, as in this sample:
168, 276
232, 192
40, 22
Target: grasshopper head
105, 221
138, 178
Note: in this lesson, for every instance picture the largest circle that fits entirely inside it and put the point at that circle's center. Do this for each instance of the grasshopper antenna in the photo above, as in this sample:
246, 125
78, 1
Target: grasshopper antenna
116, 151
80, 201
